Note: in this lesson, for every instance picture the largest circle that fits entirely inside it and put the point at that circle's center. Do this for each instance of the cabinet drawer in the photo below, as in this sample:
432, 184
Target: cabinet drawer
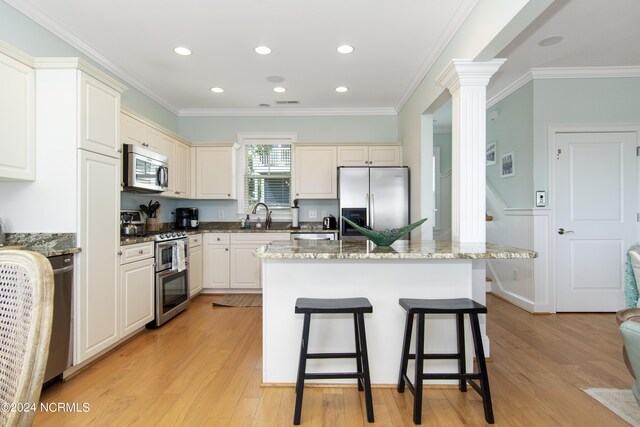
195, 240
214, 238
136, 252
258, 237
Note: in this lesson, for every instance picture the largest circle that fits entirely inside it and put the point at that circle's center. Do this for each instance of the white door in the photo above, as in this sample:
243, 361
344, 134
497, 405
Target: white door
596, 205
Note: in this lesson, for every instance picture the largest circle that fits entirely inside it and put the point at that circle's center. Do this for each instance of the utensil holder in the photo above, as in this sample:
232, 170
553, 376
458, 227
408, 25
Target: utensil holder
153, 224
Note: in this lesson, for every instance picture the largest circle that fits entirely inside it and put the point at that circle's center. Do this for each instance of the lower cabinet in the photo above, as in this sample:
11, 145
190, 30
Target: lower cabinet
136, 287
195, 264
215, 259
245, 267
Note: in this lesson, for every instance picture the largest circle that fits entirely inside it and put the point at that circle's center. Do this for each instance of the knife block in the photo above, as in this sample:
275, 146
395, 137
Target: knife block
153, 224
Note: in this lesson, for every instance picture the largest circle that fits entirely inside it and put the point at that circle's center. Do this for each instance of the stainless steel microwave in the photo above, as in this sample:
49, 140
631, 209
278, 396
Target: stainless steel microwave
144, 171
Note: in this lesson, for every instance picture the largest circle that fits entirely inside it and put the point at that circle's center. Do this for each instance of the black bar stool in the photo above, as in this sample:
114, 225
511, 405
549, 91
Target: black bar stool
355, 306
459, 307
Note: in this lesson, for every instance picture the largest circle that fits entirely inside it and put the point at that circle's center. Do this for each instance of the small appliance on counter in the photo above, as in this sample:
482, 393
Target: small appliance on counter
329, 222
187, 218
131, 223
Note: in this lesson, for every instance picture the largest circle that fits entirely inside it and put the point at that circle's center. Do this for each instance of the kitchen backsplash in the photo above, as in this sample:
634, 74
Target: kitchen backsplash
221, 210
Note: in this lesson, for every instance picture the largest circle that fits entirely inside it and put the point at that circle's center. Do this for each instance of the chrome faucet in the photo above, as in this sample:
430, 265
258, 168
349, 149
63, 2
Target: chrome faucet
267, 220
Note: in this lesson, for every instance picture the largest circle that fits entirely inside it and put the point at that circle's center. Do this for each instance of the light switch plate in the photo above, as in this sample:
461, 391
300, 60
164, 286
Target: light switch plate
541, 199
313, 214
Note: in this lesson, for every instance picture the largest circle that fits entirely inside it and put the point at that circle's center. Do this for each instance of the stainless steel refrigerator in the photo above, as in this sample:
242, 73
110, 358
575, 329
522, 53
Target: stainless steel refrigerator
376, 197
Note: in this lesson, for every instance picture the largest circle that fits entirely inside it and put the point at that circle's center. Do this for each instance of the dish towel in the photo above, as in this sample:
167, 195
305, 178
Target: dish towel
179, 258
632, 276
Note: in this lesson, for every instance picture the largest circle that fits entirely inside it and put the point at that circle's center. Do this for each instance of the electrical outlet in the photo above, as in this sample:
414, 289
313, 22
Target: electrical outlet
220, 214
541, 199
313, 214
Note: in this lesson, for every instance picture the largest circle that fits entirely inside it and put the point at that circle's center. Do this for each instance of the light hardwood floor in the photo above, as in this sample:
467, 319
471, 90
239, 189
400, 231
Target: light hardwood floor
204, 368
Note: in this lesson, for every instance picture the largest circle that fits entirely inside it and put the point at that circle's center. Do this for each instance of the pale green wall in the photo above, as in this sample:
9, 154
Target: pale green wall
28, 36
443, 141
579, 101
513, 130
309, 129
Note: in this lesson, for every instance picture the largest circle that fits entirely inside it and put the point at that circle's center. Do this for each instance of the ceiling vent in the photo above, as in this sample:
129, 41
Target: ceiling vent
287, 102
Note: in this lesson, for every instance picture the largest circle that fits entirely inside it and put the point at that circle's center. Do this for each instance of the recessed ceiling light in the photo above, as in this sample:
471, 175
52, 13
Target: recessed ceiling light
345, 48
342, 89
182, 51
275, 79
279, 89
551, 40
263, 50
217, 90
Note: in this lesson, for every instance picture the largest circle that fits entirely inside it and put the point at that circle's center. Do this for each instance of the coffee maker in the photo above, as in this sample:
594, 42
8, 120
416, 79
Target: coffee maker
187, 218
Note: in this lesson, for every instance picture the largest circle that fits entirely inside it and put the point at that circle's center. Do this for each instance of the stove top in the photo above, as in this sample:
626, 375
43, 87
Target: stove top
161, 236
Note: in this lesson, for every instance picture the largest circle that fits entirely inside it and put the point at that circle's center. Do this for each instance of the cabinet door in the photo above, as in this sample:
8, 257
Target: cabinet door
315, 173
216, 266
353, 155
17, 121
133, 131
99, 117
384, 155
157, 141
215, 173
195, 270
182, 170
167, 147
97, 298
245, 268
137, 295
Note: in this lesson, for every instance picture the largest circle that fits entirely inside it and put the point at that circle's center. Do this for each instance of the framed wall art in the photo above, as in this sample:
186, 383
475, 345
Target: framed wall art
507, 165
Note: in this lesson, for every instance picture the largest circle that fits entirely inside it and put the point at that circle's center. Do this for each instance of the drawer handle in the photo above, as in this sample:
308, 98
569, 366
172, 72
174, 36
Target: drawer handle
140, 251
226, 249
119, 252
218, 239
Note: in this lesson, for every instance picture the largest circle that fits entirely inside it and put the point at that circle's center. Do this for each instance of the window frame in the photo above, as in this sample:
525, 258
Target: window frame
253, 138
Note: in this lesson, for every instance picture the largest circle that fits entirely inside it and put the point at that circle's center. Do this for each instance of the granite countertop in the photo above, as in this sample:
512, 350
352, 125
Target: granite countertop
234, 227
401, 249
47, 244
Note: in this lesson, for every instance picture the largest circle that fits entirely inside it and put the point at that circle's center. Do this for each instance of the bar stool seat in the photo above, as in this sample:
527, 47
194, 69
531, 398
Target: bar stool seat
355, 306
459, 307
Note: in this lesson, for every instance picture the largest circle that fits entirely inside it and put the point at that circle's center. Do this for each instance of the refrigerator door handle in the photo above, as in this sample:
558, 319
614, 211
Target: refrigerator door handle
373, 215
368, 212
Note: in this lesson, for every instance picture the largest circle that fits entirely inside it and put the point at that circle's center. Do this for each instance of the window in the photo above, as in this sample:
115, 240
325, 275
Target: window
267, 176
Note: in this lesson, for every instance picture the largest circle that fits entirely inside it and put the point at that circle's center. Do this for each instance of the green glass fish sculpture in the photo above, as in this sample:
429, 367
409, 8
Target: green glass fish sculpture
386, 237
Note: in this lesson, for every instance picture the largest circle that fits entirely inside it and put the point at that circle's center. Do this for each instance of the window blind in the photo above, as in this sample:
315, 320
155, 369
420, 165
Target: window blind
267, 175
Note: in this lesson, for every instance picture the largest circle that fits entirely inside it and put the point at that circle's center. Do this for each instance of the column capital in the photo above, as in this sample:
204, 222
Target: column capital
465, 72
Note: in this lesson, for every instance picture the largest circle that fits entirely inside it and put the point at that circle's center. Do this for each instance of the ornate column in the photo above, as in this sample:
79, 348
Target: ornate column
467, 83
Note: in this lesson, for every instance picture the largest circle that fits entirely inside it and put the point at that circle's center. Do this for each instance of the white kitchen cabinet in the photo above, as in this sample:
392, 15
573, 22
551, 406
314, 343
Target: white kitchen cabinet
215, 172
195, 264
99, 117
17, 121
314, 171
97, 292
137, 280
179, 155
245, 267
369, 155
134, 131
215, 260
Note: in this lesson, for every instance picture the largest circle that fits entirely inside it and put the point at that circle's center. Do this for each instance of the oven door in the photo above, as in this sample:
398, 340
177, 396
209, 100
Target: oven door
172, 294
164, 255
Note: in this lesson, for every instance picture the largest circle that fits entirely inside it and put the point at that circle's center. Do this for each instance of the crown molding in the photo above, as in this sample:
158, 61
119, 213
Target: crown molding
15, 53
445, 38
79, 64
33, 13
565, 73
261, 112
585, 72
514, 86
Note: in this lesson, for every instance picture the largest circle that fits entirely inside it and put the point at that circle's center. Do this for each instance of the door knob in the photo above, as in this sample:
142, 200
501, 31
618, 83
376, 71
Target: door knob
562, 231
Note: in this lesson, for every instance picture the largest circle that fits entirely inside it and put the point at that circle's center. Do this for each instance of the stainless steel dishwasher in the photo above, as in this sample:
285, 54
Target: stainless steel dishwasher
60, 349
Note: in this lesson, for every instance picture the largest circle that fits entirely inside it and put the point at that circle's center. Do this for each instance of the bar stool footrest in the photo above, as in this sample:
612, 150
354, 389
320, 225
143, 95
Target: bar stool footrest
451, 376
332, 375
331, 355
437, 356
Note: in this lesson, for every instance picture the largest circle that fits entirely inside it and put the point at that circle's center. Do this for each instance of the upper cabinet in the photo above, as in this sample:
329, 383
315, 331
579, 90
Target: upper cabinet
17, 120
369, 155
182, 171
314, 174
134, 131
215, 172
99, 117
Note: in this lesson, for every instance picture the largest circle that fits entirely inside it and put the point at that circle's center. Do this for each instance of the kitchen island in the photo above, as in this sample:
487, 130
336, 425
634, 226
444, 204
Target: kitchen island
342, 269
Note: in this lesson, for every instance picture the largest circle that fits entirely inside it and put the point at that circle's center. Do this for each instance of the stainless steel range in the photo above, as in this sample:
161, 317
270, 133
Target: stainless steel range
172, 276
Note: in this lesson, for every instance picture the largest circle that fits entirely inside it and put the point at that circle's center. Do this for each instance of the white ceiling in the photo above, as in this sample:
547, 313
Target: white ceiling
395, 43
